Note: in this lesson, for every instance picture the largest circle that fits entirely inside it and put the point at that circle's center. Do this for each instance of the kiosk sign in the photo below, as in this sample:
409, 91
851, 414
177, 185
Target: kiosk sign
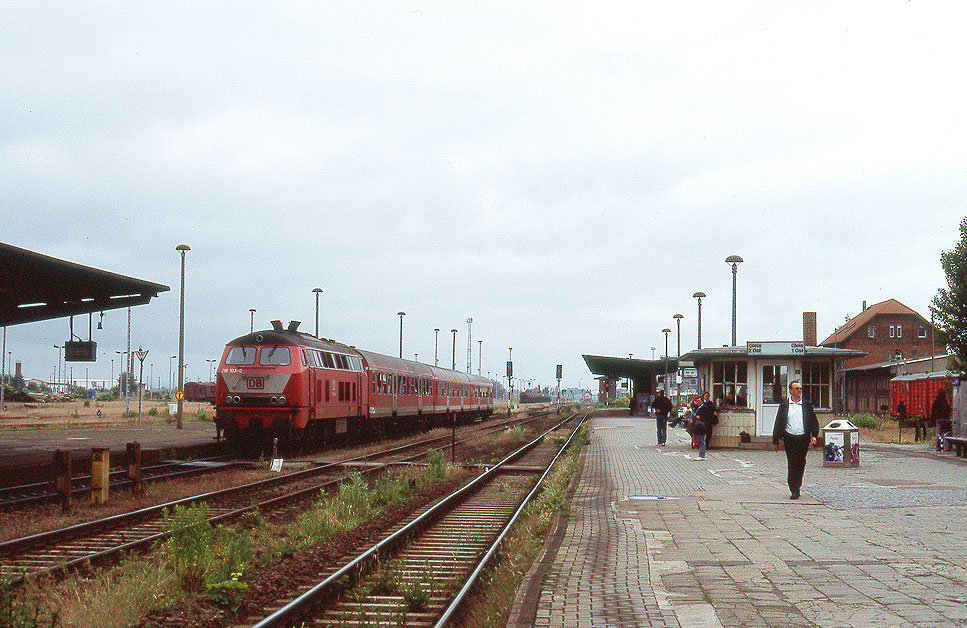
775, 348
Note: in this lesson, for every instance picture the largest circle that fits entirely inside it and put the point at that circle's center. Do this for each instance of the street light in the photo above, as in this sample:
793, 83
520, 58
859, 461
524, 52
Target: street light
735, 260
122, 388
211, 369
454, 332
699, 296
251, 327
171, 379
666, 331
401, 315
678, 358
479, 355
181, 248
436, 344
58, 347
317, 291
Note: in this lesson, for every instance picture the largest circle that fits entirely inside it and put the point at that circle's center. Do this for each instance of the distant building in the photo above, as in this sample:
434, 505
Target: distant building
893, 337
887, 332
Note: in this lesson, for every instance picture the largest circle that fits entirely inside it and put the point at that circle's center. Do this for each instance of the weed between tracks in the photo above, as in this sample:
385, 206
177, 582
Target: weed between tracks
490, 605
199, 560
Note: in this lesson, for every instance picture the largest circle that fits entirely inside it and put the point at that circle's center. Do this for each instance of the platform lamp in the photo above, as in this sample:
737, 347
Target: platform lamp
699, 296
666, 331
317, 292
180, 395
436, 346
734, 260
678, 357
401, 315
454, 366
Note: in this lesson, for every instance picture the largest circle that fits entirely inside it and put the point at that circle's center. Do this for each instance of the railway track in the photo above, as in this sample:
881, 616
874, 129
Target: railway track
434, 561
57, 551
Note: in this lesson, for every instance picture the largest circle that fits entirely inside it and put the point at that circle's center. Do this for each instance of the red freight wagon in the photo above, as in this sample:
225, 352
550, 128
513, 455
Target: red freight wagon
917, 391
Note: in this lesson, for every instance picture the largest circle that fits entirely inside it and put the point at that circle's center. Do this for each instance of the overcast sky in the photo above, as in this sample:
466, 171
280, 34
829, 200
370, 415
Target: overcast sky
566, 174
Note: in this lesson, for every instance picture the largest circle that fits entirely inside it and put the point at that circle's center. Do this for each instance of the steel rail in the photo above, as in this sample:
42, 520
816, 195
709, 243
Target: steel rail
300, 607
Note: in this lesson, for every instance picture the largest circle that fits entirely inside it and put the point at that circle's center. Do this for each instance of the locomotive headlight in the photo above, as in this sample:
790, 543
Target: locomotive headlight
275, 400
282, 400
237, 399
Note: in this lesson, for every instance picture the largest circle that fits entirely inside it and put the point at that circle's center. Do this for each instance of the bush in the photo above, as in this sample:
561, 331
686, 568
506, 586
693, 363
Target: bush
866, 420
205, 558
152, 412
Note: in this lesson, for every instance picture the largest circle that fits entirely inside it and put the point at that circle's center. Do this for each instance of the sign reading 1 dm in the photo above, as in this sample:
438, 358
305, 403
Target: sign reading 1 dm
775, 348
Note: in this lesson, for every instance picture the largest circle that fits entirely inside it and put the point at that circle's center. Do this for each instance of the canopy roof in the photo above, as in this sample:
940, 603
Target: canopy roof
618, 368
35, 287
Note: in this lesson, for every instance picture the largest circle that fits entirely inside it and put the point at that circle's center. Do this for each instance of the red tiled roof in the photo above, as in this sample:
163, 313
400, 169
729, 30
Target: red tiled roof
890, 306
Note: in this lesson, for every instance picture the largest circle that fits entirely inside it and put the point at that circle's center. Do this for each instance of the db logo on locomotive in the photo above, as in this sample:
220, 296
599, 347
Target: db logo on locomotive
256, 383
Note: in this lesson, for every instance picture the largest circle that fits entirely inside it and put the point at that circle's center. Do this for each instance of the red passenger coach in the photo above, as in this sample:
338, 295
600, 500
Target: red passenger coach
294, 386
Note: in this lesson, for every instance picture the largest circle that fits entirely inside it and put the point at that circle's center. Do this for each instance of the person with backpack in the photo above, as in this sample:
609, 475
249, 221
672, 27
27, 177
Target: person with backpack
705, 417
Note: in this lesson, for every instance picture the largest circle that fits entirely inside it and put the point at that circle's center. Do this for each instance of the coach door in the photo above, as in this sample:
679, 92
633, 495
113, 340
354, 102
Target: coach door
773, 378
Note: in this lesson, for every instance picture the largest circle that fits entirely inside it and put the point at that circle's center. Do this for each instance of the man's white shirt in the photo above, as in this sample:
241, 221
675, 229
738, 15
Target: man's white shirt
794, 423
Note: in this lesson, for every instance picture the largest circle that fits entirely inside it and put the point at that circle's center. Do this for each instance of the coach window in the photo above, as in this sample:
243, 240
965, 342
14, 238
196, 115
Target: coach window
275, 356
242, 356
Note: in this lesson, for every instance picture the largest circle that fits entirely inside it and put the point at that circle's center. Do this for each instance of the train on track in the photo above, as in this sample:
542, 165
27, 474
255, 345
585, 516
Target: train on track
200, 391
282, 383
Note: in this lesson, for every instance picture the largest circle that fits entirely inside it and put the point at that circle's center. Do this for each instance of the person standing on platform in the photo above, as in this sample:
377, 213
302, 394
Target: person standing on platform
797, 426
940, 415
705, 417
662, 406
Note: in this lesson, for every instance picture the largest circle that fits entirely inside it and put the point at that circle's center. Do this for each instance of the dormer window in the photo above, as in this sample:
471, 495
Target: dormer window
871, 330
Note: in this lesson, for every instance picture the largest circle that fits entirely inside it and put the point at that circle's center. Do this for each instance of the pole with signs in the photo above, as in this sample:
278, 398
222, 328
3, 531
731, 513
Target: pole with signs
141, 355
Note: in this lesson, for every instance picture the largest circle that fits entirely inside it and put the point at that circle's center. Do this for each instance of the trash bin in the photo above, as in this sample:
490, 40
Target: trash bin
842, 444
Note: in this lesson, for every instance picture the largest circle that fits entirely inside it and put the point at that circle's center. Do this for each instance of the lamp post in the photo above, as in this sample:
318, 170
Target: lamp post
401, 315
123, 388
454, 365
678, 359
479, 355
469, 345
211, 369
251, 326
171, 378
436, 345
652, 353
510, 374
180, 395
317, 292
699, 296
734, 260
58, 347
666, 331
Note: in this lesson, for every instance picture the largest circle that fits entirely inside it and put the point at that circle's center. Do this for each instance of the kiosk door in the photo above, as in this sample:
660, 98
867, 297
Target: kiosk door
773, 379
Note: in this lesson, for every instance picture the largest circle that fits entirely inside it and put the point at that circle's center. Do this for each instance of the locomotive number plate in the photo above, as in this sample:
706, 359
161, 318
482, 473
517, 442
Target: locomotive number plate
256, 383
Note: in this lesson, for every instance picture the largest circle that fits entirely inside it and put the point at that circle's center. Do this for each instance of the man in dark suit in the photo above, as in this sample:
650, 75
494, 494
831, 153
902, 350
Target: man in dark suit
797, 426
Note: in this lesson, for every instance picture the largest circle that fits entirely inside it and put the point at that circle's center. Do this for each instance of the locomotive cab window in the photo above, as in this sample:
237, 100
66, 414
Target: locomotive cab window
242, 356
275, 356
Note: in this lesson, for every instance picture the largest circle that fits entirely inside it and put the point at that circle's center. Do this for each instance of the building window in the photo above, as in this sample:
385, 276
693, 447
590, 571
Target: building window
892, 331
899, 331
897, 355
922, 332
730, 384
816, 383
871, 331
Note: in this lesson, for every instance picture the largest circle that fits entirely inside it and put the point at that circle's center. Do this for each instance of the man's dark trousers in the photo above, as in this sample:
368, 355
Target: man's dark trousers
662, 421
796, 448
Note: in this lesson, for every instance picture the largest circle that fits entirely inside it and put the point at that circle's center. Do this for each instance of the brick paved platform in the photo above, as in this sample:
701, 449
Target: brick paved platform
655, 538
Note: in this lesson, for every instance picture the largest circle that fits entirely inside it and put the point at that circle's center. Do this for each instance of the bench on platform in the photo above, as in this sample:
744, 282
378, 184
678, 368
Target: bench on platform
959, 443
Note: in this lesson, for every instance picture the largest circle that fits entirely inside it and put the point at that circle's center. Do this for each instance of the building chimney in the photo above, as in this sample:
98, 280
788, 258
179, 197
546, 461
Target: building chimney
864, 306
809, 329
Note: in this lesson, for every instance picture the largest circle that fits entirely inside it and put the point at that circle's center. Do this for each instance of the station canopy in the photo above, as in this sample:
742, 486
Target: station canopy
35, 287
620, 368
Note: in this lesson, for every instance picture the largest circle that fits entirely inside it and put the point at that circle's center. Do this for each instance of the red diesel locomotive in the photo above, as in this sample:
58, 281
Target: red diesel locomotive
291, 385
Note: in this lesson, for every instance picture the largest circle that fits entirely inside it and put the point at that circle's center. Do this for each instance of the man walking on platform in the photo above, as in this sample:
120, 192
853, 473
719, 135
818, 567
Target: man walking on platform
797, 426
662, 407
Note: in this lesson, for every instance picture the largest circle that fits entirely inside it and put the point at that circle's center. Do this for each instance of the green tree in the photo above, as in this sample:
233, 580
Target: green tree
949, 306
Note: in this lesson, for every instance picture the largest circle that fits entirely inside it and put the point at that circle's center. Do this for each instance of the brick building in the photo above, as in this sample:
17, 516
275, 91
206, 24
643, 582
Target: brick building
891, 334
887, 331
